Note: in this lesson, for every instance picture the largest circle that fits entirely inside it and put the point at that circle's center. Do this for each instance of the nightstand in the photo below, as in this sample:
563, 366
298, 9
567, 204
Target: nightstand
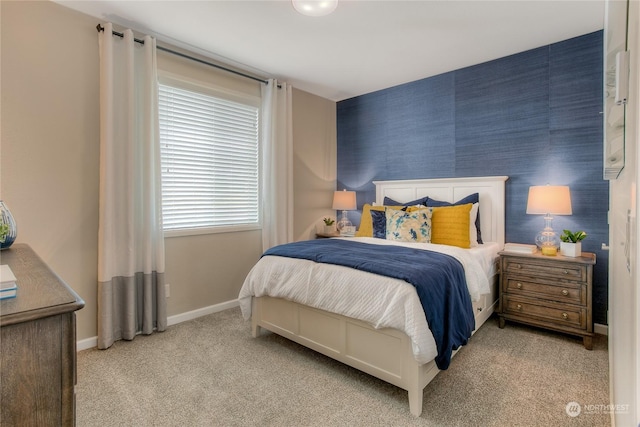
552, 292
323, 235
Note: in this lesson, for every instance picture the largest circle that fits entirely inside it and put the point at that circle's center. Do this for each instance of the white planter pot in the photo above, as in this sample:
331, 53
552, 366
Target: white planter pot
571, 249
330, 229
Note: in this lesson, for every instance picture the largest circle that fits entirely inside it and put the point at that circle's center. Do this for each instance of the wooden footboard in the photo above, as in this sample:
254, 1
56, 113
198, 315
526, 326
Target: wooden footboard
384, 353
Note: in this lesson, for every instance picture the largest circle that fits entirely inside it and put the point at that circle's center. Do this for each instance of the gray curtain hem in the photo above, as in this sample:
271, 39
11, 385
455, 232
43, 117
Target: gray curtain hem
129, 306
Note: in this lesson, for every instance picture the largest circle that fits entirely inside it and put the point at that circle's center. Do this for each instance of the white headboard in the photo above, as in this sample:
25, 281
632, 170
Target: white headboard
489, 188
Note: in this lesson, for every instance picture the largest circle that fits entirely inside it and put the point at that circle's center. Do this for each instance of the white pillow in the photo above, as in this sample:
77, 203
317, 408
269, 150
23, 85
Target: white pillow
473, 232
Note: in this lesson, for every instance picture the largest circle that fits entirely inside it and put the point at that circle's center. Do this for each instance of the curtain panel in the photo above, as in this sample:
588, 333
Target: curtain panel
277, 164
131, 290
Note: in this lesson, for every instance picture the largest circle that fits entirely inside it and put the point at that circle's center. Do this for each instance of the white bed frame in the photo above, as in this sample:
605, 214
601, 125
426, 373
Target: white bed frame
386, 353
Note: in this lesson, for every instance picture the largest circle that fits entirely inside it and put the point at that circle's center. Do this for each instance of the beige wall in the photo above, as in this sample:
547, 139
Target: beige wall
49, 148
50, 140
314, 162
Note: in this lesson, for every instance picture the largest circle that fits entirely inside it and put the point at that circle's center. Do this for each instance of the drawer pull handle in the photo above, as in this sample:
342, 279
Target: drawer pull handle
565, 316
517, 266
519, 285
519, 306
566, 272
565, 292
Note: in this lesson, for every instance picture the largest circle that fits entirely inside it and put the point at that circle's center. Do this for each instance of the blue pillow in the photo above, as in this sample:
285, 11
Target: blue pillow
471, 198
379, 222
390, 202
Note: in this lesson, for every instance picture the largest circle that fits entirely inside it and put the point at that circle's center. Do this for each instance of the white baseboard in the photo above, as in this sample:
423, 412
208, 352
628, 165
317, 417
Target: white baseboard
601, 329
87, 343
92, 342
190, 315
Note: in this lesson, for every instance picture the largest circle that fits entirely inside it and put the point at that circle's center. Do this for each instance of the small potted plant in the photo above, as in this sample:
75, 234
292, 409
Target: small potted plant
571, 243
329, 225
4, 231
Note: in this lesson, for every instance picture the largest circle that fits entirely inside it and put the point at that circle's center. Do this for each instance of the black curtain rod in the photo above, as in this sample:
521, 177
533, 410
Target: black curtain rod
121, 35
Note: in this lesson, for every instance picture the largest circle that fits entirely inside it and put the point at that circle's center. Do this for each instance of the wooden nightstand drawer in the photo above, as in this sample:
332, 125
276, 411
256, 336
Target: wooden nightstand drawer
571, 293
545, 268
558, 314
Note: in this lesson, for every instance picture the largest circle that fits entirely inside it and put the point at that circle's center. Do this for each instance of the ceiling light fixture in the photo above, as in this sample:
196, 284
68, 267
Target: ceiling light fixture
315, 7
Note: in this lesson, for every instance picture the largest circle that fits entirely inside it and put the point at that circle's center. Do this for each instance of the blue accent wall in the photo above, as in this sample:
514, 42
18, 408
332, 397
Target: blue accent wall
535, 116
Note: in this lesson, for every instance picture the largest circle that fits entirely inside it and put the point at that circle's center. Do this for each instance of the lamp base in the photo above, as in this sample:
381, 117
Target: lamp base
343, 222
549, 250
548, 240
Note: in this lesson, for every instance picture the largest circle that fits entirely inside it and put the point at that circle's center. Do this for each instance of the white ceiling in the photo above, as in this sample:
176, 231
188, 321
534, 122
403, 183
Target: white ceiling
364, 45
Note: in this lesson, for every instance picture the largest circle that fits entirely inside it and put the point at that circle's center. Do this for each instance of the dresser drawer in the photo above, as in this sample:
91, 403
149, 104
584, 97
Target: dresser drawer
571, 293
532, 309
545, 268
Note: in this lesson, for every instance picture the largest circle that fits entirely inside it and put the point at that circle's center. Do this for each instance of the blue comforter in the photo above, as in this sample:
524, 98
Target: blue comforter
439, 280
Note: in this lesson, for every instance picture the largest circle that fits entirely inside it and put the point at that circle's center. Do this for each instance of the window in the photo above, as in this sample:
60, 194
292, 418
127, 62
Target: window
209, 155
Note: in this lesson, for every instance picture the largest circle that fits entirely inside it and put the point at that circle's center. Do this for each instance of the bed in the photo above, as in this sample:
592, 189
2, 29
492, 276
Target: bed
398, 348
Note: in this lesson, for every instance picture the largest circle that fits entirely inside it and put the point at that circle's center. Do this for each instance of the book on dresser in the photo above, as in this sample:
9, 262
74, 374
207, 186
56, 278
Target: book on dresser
8, 283
520, 248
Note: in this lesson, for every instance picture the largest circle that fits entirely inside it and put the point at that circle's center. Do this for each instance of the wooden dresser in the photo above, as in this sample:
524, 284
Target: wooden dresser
37, 345
552, 292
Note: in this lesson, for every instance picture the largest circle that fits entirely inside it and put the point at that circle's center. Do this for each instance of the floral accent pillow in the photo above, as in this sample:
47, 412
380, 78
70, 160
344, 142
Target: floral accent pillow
367, 227
414, 226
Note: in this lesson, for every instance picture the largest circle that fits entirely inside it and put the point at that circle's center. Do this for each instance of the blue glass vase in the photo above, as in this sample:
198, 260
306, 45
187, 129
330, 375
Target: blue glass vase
8, 229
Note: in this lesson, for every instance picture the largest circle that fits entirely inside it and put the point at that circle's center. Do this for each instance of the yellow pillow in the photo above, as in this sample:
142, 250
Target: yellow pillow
366, 223
450, 225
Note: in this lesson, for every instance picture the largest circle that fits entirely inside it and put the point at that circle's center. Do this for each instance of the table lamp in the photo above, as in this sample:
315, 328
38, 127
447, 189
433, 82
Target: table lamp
344, 201
548, 200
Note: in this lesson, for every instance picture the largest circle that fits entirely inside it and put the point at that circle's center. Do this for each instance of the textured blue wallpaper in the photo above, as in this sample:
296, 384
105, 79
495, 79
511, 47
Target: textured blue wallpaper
534, 116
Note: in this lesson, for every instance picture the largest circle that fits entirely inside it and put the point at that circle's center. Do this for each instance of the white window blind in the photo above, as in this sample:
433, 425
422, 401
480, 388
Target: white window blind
209, 153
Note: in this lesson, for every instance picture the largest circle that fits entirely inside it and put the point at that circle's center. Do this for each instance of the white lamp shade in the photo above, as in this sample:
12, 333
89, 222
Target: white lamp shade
315, 7
344, 200
549, 199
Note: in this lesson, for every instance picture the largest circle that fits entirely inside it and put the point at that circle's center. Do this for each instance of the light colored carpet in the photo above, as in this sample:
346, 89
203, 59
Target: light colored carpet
211, 372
